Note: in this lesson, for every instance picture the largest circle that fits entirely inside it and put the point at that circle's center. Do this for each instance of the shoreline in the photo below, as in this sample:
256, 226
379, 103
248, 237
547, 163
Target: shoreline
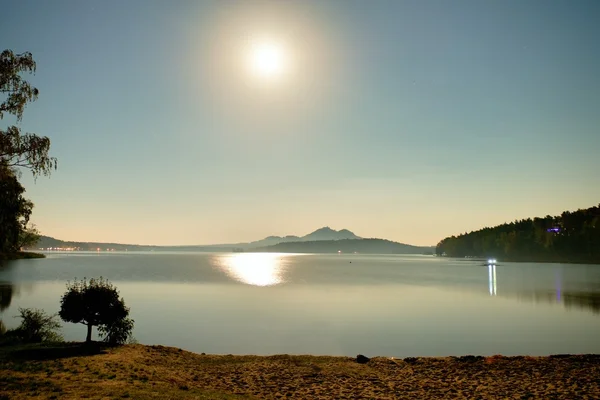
71, 370
21, 255
31, 255
520, 261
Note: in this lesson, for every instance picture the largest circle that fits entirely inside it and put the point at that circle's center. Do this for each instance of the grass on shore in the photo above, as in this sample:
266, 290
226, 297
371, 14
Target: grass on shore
21, 255
79, 371
75, 371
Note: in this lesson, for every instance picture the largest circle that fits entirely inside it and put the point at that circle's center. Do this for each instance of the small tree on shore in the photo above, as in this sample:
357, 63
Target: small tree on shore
97, 303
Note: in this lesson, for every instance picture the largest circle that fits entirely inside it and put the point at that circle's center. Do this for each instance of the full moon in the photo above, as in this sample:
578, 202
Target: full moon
267, 59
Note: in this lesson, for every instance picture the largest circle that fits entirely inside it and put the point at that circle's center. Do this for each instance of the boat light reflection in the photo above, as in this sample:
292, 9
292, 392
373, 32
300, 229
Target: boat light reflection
492, 279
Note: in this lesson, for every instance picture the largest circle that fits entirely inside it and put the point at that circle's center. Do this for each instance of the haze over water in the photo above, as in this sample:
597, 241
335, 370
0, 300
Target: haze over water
258, 303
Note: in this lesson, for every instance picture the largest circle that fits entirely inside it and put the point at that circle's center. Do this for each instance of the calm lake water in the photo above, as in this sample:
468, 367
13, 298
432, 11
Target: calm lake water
258, 303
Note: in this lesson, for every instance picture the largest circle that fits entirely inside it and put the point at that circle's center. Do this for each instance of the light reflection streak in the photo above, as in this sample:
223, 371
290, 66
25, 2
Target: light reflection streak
558, 285
492, 279
258, 269
494, 269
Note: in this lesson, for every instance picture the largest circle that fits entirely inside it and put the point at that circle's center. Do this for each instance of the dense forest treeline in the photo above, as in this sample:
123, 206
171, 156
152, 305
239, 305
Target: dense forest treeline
570, 237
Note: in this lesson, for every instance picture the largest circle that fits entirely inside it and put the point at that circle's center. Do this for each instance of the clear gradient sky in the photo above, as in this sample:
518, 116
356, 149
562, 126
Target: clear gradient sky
407, 120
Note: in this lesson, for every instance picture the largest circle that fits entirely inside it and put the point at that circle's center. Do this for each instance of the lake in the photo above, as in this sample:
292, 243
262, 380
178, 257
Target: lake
266, 303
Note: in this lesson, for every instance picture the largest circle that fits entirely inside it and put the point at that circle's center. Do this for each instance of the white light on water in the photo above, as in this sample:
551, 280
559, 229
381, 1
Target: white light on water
258, 269
492, 279
494, 273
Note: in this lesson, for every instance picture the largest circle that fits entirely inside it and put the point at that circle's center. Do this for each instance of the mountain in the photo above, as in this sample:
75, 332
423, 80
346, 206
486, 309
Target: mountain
323, 240
270, 240
325, 233
361, 246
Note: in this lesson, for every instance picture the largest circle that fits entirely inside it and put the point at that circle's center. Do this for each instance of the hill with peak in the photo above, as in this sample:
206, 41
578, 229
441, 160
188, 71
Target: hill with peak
325, 233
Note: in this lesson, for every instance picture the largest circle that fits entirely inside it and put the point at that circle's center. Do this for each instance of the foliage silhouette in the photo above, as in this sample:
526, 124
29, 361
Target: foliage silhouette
96, 303
570, 237
18, 150
36, 326
29, 236
15, 211
119, 332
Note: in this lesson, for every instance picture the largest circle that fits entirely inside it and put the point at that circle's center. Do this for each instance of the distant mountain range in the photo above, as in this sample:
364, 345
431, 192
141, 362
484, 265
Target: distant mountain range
323, 240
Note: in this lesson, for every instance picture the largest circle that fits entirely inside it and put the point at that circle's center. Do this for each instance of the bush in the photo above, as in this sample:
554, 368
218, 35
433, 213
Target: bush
118, 332
36, 326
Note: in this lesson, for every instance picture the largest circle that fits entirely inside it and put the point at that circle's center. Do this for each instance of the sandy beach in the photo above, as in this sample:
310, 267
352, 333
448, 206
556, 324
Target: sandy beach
138, 371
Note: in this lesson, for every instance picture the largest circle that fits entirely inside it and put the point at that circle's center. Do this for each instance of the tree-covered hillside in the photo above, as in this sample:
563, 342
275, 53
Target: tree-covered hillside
362, 246
570, 237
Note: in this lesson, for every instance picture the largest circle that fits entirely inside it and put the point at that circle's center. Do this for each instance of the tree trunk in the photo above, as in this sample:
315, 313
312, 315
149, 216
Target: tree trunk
88, 338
